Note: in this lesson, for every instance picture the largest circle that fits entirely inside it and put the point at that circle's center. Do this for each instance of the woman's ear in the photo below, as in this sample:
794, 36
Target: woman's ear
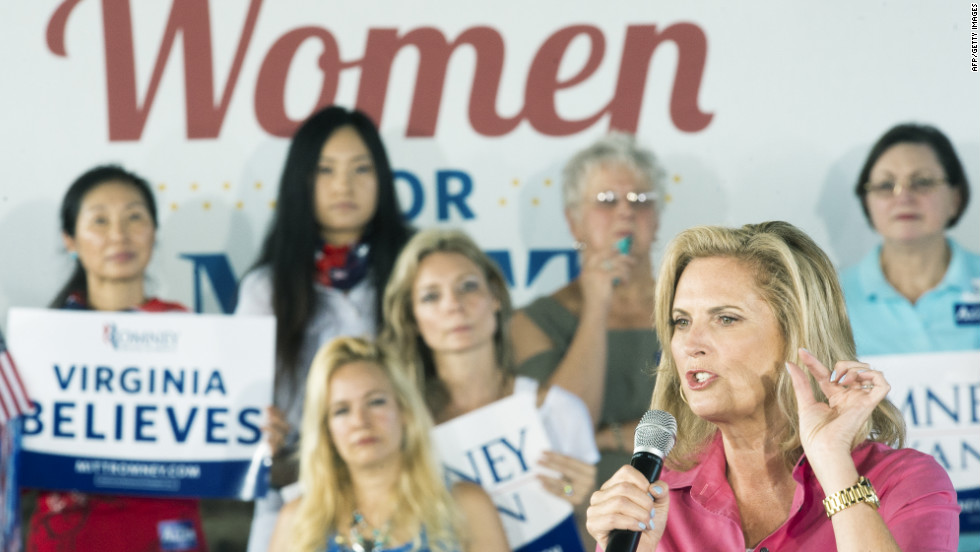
69, 243
573, 220
957, 204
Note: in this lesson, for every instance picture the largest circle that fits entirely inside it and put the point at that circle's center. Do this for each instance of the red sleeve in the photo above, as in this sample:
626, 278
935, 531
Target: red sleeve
158, 305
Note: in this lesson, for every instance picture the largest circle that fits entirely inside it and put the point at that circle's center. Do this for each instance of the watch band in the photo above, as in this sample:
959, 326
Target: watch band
863, 491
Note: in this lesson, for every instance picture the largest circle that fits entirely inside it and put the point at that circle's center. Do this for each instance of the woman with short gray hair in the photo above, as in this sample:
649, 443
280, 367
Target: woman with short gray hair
593, 336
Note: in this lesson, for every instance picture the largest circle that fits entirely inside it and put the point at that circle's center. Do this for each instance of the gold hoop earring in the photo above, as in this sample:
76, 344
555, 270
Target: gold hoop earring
683, 398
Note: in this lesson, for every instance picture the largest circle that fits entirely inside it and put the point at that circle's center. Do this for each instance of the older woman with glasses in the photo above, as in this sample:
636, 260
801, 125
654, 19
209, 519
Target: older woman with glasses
918, 291
593, 336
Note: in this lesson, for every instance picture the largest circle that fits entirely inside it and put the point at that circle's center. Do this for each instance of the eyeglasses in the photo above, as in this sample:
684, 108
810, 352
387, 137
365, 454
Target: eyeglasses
636, 200
917, 185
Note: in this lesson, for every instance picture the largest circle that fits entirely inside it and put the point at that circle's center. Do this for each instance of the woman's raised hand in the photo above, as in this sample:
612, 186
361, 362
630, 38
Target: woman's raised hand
853, 391
603, 269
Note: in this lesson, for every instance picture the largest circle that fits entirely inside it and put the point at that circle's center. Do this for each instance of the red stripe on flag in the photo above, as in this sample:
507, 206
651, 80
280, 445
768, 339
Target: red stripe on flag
13, 397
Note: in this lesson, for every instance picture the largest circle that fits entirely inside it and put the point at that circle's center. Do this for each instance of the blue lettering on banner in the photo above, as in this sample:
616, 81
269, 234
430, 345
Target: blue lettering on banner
445, 197
514, 509
90, 432
503, 460
131, 380
60, 418
964, 456
966, 314
540, 257
143, 422
68, 419
177, 535
214, 424
494, 462
180, 433
928, 406
218, 270
443, 178
226, 289
136, 477
253, 425
418, 193
969, 500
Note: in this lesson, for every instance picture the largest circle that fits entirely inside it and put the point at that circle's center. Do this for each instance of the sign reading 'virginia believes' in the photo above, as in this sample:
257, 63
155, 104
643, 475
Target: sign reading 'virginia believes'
166, 404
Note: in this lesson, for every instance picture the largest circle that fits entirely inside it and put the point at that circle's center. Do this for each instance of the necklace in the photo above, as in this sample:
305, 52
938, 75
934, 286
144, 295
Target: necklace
359, 528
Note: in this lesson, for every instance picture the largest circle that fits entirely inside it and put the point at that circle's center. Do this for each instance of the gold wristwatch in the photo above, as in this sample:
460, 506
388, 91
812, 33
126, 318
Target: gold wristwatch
862, 492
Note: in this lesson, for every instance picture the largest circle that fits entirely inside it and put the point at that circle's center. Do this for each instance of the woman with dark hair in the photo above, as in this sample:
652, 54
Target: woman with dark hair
918, 291
333, 240
108, 224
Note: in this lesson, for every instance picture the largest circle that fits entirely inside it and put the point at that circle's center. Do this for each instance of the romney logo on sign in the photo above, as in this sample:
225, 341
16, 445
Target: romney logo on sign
122, 339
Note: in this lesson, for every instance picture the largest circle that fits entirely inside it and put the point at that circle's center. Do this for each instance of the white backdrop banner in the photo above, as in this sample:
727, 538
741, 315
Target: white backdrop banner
759, 111
168, 404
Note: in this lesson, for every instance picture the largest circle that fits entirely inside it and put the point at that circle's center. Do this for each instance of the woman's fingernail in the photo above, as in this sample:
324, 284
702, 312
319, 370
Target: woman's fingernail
651, 525
643, 526
653, 513
807, 351
658, 489
651, 496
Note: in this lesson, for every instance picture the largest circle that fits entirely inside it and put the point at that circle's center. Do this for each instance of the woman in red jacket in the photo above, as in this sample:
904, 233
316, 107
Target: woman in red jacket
108, 223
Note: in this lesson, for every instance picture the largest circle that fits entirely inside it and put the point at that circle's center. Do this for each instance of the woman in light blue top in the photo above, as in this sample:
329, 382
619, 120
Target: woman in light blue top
918, 291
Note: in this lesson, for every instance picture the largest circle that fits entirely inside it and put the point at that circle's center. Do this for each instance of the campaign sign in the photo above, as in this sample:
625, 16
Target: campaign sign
939, 396
498, 446
163, 404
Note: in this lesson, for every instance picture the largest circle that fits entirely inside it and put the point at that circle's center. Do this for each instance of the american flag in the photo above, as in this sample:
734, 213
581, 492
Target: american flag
13, 396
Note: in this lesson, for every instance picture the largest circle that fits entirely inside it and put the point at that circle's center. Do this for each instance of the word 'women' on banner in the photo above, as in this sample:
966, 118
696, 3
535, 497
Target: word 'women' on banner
163, 405
498, 447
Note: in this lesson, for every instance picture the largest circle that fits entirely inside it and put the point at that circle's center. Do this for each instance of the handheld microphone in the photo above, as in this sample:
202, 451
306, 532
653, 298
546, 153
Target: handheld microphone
655, 436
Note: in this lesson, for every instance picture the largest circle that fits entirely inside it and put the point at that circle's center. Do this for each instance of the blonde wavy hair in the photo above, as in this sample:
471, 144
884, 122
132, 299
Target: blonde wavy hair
401, 336
799, 283
327, 502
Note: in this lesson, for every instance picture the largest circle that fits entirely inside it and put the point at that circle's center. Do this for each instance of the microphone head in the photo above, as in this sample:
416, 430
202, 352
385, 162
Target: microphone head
656, 433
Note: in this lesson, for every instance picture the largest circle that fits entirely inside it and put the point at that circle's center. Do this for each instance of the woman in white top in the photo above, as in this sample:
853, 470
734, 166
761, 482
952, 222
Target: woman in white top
446, 311
331, 245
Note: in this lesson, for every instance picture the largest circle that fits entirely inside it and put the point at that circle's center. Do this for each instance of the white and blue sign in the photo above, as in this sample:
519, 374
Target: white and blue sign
498, 447
939, 396
167, 404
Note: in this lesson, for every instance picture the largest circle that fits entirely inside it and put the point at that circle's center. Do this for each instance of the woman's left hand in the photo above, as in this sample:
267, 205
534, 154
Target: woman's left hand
853, 391
577, 481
